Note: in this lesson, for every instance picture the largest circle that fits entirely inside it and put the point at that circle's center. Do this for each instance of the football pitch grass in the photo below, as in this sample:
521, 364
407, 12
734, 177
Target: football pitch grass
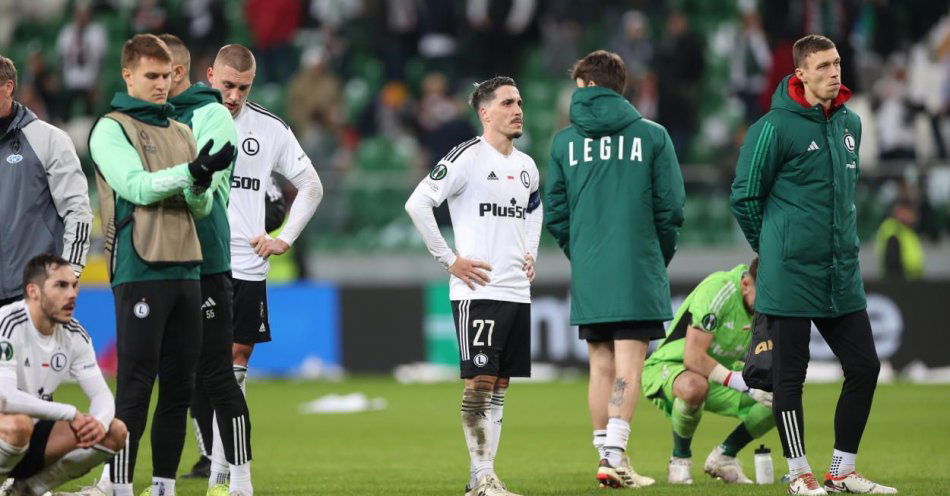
415, 446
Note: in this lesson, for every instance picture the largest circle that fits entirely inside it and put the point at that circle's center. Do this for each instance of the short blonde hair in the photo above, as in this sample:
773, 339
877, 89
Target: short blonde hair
237, 57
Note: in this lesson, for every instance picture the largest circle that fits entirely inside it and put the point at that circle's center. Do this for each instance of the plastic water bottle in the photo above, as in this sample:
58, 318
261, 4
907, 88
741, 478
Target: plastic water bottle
763, 466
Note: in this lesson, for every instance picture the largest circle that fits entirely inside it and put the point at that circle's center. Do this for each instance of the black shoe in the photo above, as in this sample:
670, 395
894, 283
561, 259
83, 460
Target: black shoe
200, 470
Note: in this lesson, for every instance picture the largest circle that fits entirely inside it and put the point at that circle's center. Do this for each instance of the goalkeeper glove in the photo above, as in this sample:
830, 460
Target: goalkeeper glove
734, 380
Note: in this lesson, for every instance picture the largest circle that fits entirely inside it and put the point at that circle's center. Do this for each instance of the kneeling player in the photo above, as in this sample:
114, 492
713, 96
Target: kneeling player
698, 367
43, 443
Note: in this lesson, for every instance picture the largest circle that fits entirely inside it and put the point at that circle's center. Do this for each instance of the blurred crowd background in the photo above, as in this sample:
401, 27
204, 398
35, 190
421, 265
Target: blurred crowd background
376, 90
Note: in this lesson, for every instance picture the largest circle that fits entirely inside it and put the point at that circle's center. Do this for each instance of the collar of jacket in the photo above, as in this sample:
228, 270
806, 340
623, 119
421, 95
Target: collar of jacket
790, 95
196, 95
149, 113
21, 117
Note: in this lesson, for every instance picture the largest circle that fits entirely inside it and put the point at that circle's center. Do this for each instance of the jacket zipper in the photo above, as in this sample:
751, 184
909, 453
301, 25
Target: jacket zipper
834, 214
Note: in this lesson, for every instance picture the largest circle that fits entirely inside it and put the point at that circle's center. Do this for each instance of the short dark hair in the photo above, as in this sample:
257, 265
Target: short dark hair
606, 69
485, 91
37, 269
178, 49
8, 71
144, 45
237, 57
809, 45
753, 269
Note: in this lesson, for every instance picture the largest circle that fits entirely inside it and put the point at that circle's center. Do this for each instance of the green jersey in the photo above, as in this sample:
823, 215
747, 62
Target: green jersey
715, 306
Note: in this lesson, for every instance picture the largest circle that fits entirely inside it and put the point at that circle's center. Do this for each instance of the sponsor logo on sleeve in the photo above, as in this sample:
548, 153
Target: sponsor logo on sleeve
6, 351
710, 322
438, 173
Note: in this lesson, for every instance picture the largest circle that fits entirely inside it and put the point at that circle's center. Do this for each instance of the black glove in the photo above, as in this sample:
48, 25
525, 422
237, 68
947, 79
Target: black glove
205, 164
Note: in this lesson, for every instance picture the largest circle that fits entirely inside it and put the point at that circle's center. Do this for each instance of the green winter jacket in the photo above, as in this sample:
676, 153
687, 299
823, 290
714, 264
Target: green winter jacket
613, 199
793, 197
199, 107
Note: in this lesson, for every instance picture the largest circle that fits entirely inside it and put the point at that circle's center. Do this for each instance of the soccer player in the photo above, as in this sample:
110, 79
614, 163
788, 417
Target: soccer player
698, 367
793, 197
43, 443
492, 191
152, 187
266, 145
614, 198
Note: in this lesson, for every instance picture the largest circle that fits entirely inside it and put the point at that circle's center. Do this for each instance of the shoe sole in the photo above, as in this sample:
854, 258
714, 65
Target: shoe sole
606, 481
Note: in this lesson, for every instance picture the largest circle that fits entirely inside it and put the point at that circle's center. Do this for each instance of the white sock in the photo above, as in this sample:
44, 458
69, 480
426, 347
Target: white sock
71, 466
104, 483
600, 438
241, 478
219, 464
10, 456
240, 374
842, 463
476, 408
162, 486
122, 490
615, 444
798, 466
497, 409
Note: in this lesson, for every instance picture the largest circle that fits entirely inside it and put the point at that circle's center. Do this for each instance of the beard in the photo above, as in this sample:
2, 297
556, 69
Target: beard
51, 312
515, 135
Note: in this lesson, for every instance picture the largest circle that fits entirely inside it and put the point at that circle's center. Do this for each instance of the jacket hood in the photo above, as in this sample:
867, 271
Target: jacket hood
790, 95
196, 95
149, 113
597, 111
21, 117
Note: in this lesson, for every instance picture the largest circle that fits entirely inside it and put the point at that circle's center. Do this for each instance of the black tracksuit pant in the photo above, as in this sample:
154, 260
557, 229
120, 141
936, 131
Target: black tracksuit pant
158, 334
216, 389
849, 337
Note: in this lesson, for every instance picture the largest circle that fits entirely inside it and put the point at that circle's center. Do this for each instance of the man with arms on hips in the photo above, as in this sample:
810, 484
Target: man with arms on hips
614, 197
492, 191
265, 145
41, 183
44, 444
698, 368
793, 197
152, 187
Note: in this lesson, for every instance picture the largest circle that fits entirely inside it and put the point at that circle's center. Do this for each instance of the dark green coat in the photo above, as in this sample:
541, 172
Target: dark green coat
793, 196
613, 199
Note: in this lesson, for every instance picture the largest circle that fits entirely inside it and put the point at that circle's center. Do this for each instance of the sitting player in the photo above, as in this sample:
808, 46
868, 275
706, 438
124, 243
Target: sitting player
44, 443
698, 367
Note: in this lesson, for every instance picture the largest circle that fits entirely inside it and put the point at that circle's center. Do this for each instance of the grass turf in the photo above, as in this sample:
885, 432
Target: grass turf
415, 446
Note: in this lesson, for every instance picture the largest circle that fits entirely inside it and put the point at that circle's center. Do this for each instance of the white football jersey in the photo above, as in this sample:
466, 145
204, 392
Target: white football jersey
489, 196
265, 144
41, 363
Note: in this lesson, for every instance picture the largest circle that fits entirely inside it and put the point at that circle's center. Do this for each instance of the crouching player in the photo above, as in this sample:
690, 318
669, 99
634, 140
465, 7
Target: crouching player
698, 367
44, 444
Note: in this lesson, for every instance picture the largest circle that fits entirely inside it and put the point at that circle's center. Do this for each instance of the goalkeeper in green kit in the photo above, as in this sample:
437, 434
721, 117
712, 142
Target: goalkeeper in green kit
699, 367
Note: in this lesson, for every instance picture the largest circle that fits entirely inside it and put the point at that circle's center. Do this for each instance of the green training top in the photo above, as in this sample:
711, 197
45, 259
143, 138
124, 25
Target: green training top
715, 306
199, 107
119, 164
